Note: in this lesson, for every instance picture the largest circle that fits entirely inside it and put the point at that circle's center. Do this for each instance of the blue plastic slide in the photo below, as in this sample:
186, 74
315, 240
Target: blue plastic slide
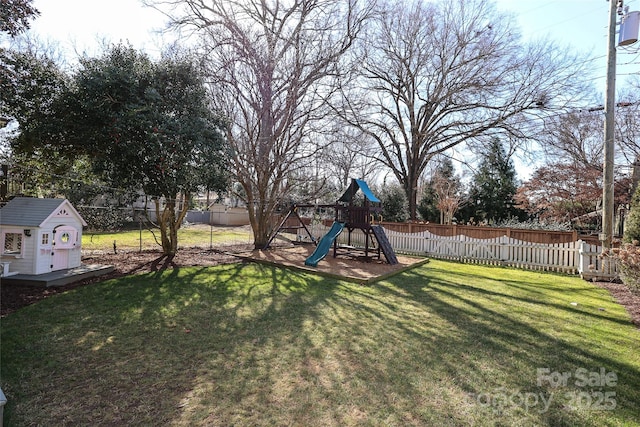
324, 245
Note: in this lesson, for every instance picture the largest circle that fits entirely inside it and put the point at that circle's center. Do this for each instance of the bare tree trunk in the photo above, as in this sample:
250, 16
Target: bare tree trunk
169, 223
274, 65
413, 202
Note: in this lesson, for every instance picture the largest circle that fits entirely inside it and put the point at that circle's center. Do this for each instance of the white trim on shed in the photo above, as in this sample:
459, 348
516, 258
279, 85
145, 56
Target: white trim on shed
29, 242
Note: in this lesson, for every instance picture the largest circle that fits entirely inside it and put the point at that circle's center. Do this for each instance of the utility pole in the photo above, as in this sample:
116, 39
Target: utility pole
609, 123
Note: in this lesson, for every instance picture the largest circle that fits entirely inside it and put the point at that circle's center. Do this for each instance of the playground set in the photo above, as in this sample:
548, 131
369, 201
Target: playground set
348, 216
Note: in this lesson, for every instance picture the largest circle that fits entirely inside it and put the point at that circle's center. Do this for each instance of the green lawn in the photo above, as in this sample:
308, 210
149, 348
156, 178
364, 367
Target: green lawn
190, 236
444, 344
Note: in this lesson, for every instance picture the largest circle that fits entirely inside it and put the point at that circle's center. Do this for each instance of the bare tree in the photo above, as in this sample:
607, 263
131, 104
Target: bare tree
449, 196
435, 75
628, 127
273, 64
349, 155
575, 137
569, 185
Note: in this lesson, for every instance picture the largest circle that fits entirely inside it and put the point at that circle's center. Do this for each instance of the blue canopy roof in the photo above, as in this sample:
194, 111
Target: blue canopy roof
358, 184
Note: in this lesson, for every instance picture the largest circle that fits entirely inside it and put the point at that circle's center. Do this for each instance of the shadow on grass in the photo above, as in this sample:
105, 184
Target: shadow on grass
482, 323
258, 345
129, 349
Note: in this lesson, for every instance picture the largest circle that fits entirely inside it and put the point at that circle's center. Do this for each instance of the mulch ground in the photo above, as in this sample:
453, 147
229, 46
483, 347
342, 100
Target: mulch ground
13, 297
625, 297
348, 266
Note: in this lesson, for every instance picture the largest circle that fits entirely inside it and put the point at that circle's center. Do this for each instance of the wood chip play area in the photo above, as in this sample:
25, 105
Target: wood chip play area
345, 267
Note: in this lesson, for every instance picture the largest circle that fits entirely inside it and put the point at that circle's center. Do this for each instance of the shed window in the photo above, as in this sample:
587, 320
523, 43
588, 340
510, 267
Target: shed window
12, 244
45, 239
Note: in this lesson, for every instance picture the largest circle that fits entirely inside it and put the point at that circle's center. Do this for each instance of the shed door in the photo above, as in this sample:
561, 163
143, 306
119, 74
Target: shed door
64, 239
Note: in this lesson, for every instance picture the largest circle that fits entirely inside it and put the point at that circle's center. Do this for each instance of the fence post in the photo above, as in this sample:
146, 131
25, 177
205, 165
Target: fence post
504, 247
584, 260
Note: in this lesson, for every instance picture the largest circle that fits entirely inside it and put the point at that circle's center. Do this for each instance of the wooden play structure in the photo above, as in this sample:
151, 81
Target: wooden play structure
351, 216
292, 223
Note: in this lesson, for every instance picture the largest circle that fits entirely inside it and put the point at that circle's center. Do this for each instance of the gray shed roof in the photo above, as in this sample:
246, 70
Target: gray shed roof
32, 212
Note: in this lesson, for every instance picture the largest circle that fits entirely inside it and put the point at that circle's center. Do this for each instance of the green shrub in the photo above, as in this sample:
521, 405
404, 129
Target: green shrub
394, 204
427, 206
632, 223
534, 224
104, 218
628, 256
628, 261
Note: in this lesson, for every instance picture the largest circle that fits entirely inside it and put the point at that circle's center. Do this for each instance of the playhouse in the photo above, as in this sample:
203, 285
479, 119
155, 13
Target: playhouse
39, 236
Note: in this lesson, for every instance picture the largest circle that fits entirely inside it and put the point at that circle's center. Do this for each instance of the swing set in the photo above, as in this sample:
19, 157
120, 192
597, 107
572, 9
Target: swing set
348, 216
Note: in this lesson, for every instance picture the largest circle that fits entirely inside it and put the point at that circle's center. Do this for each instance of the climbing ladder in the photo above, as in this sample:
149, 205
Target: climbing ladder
383, 243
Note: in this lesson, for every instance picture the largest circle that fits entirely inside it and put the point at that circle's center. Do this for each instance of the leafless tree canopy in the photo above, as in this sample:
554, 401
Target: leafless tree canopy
418, 78
576, 138
449, 196
437, 74
628, 125
273, 65
350, 154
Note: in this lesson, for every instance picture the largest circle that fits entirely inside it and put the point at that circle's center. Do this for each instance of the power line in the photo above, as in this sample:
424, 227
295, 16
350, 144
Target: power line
552, 2
574, 17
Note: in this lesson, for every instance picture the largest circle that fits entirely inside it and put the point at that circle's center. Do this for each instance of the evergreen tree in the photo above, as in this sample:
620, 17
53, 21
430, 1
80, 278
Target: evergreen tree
30, 84
491, 196
428, 205
144, 125
15, 16
632, 224
394, 204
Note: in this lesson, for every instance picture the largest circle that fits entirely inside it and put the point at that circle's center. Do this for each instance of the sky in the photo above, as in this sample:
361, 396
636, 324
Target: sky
80, 25
578, 24
581, 25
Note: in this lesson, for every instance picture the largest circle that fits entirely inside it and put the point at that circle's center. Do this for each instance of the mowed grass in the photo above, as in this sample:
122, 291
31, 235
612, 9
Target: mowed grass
188, 236
444, 344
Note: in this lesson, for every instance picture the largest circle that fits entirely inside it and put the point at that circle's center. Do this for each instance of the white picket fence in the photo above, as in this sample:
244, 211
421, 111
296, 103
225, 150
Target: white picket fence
576, 257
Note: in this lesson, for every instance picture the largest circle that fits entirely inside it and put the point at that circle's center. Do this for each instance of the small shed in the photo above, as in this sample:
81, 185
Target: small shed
39, 236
